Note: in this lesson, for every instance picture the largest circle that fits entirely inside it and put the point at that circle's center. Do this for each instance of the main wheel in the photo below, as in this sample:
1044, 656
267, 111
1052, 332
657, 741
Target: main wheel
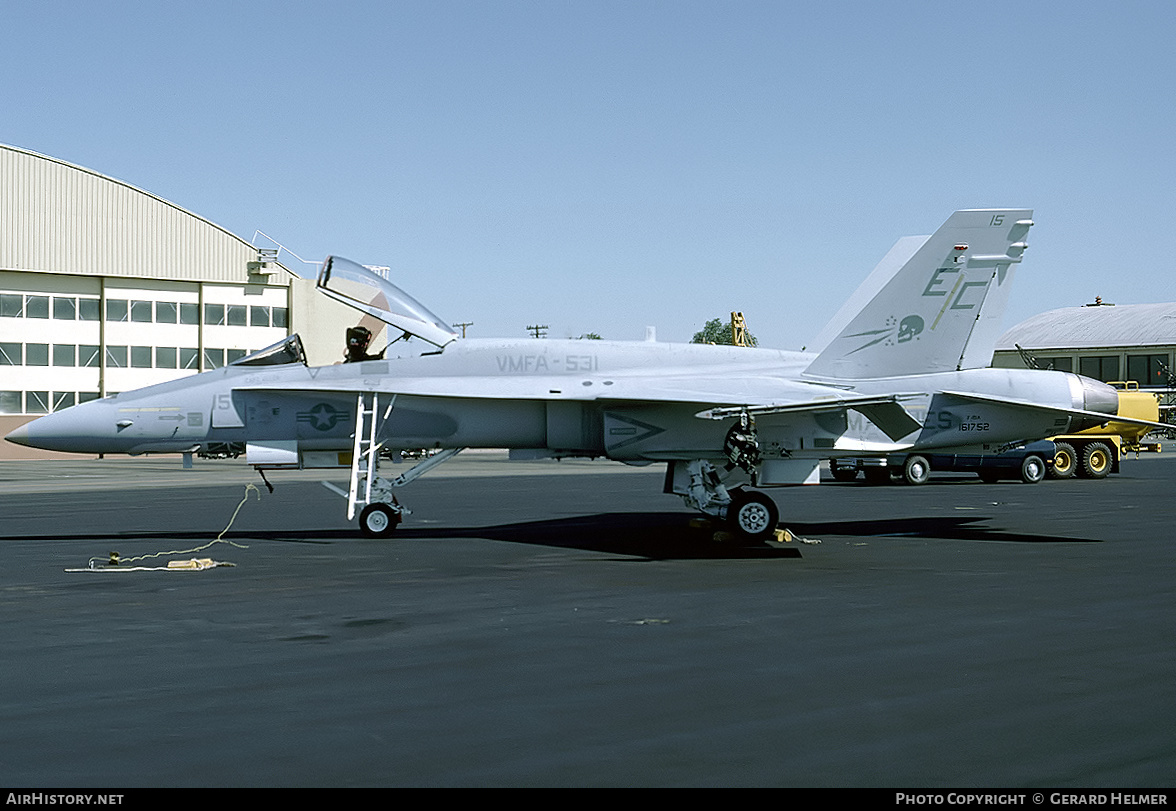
1065, 461
1032, 469
916, 470
1096, 461
378, 521
753, 515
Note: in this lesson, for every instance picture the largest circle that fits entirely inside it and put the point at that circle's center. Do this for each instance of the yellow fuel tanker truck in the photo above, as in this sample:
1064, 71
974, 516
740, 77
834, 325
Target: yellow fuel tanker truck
1095, 452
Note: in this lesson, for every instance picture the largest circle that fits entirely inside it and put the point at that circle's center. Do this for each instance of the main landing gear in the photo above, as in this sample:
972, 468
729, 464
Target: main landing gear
751, 514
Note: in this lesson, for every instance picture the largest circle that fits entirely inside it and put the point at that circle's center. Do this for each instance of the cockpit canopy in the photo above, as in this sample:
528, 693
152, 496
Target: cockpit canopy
287, 350
367, 291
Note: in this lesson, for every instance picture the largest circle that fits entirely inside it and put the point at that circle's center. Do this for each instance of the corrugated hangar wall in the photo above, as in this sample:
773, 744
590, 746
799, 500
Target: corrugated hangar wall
59, 218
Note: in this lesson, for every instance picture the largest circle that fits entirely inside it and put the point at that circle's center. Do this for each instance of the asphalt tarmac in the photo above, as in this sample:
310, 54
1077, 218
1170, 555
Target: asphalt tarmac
557, 624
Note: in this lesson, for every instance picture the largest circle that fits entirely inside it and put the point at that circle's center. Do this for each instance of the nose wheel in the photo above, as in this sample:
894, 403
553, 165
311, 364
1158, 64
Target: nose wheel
379, 520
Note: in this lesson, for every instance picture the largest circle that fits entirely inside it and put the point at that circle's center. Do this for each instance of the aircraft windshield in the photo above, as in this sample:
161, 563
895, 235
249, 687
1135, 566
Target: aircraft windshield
368, 292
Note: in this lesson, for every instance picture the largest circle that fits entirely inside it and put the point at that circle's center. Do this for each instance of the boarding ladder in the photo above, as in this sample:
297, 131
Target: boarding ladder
365, 452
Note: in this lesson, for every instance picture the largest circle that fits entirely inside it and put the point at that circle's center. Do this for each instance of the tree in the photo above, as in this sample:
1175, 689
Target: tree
718, 331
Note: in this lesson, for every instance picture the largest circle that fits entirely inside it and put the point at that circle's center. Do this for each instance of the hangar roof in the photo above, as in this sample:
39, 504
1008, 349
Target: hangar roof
56, 217
1095, 326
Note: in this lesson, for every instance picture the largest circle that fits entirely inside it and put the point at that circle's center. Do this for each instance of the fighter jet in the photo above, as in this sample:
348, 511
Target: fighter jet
905, 371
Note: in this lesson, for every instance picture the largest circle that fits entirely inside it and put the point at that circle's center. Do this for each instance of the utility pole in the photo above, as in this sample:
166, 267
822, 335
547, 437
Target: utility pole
463, 326
539, 330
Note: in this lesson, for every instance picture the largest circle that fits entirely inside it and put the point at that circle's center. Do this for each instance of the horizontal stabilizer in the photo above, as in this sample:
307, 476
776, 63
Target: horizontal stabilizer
1089, 417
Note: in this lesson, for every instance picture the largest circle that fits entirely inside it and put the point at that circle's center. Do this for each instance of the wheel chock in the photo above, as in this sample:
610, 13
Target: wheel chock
787, 536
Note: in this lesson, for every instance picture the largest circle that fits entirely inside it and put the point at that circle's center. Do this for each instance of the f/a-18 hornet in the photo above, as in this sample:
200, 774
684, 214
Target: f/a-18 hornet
908, 372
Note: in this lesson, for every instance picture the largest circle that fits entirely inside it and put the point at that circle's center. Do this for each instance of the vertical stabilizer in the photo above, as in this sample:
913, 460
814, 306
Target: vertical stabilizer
941, 311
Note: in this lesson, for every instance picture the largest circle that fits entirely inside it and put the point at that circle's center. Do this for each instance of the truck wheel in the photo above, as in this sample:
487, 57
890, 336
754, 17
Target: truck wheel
916, 470
1032, 469
1065, 461
1096, 461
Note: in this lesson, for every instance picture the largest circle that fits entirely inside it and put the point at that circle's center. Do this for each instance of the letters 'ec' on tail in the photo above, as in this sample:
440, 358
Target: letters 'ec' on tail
941, 311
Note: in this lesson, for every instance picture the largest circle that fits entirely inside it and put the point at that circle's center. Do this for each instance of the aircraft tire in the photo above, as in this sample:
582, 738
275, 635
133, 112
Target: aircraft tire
916, 469
378, 521
1096, 461
1065, 461
753, 515
1032, 469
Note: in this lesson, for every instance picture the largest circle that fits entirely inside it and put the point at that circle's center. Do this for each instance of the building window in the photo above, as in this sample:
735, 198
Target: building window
1100, 367
10, 402
116, 357
116, 309
63, 399
165, 357
1148, 370
141, 357
37, 307
189, 358
1057, 364
11, 354
279, 317
232, 355
141, 312
259, 316
11, 305
88, 355
214, 358
36, 402
89, 309
214, 315
65, 355
166, 312
87, 396
189, 313
237, 315
36, 354
65, 309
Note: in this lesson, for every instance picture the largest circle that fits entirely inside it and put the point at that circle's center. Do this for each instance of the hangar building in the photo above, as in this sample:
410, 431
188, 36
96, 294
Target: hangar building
1104, 341
105, 287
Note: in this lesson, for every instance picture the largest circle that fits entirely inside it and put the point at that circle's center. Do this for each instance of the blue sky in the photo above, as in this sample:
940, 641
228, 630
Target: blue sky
603, 166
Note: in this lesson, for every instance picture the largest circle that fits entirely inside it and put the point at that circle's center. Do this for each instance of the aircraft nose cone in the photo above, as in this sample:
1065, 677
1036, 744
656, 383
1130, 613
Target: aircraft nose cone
20, 435
74, 430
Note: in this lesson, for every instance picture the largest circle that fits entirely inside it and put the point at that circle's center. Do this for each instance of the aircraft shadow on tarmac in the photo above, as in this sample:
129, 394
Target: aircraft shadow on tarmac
669, 536
652, 536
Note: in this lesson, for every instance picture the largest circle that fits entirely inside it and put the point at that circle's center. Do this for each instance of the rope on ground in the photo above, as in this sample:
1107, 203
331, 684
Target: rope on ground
116, 564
